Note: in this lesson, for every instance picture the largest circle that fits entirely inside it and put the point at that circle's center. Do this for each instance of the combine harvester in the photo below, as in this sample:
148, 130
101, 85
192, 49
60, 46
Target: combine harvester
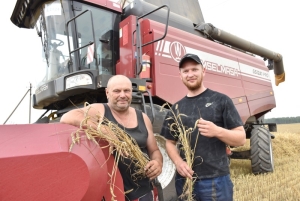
143, 40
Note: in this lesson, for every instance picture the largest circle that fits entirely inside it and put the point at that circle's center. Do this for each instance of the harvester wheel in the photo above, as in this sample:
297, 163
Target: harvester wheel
167, 177
261, 151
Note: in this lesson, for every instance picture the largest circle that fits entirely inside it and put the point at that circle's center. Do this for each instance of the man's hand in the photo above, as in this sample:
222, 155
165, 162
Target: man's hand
184, 170
233, 137
153, 169
208, 128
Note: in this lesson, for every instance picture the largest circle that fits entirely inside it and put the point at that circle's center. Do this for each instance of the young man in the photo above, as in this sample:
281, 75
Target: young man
219, 124
136, 124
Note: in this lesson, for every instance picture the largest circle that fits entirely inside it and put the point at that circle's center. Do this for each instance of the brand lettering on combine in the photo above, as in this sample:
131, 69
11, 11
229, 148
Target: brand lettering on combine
41, 89
214, 63
261, 73
220, 69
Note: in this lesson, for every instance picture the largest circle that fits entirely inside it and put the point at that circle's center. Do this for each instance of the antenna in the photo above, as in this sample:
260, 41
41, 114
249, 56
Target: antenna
29, 90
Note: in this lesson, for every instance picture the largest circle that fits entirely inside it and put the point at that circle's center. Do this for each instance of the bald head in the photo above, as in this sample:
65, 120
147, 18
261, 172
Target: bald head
119, 93
118, 80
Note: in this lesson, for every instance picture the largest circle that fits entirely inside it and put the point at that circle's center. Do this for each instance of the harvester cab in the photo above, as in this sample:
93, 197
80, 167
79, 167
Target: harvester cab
75, 51
81, 50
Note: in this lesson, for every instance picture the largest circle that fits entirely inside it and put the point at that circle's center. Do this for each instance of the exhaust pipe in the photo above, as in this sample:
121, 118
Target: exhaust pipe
275, 61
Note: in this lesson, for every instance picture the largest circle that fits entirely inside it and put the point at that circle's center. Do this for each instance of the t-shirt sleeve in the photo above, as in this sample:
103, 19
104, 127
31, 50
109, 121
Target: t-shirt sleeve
165, 130
231, 116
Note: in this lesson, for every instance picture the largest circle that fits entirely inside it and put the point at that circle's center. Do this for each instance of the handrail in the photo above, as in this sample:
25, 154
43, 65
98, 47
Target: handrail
151, 104
139, 44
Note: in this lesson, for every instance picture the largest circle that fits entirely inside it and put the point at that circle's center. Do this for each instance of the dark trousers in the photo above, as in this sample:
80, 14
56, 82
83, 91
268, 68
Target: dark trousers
147, 197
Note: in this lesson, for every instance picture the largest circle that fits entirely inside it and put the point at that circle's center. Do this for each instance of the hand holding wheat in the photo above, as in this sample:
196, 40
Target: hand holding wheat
208, 128
184, 169
153, 169
183, 134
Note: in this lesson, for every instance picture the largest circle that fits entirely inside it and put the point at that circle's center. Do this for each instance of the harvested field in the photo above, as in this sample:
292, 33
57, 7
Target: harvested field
281, 185
288, 128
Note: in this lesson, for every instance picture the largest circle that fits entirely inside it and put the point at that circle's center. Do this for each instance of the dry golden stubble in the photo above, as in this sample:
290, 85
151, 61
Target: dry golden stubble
183, 134
283, 183
97, 128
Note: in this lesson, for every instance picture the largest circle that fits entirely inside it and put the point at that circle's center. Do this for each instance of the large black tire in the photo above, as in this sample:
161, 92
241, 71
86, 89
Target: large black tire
261, 151
159, 116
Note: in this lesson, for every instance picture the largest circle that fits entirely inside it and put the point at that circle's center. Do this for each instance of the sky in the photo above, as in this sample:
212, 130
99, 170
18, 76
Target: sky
268, 23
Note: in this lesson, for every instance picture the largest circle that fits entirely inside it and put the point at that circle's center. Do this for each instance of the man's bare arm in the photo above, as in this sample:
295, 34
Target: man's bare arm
233, 137
154, 167
181, 166
75, 117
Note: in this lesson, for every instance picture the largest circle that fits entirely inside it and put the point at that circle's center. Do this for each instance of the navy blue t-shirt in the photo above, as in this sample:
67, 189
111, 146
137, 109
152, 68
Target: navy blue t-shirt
210, 159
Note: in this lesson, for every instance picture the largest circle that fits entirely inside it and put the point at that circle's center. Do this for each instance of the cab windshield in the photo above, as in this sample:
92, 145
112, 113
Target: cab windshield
66, 49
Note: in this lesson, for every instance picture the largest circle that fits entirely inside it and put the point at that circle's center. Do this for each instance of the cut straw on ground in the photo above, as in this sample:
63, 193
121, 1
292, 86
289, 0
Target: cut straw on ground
283, 183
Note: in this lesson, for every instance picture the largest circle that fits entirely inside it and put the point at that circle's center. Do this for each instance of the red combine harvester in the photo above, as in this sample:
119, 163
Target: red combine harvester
84, 44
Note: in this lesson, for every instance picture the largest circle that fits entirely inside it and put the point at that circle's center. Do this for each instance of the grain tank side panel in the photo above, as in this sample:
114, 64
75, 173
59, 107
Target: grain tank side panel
231, 72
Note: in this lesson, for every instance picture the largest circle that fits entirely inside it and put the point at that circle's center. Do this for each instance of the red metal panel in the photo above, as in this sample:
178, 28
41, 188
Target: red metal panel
108, 4
219, 76
148, 49
231, 72
242, 107
228, 71
261, 94
251, 89
168, 85
126, 64
232, 87
243, 110
255, 84
261, 105
255, 87
35, 164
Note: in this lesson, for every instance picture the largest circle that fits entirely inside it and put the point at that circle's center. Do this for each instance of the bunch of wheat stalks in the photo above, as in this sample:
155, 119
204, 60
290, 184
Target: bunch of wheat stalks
97, 128
184, 139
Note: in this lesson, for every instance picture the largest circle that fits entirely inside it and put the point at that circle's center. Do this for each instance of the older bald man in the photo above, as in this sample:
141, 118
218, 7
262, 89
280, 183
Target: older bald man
136, 124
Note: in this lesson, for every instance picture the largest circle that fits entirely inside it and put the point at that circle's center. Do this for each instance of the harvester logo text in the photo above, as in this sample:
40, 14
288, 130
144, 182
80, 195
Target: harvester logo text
220, 69
41, 89
214, 63
260, 73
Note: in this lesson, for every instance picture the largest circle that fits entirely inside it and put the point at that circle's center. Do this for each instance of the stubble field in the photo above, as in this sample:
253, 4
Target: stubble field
281, 185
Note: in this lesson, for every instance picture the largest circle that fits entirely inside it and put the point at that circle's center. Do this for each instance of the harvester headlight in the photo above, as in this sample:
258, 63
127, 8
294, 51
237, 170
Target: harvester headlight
78, 80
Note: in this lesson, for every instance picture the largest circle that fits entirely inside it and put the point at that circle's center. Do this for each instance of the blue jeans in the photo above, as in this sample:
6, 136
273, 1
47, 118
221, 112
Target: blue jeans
212, 189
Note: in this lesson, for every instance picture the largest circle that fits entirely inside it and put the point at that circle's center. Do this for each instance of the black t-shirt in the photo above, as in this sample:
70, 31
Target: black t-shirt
210, 159
138, 186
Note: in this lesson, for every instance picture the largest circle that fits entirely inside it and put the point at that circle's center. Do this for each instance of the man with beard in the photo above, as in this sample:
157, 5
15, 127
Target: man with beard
136, 124
219, 124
